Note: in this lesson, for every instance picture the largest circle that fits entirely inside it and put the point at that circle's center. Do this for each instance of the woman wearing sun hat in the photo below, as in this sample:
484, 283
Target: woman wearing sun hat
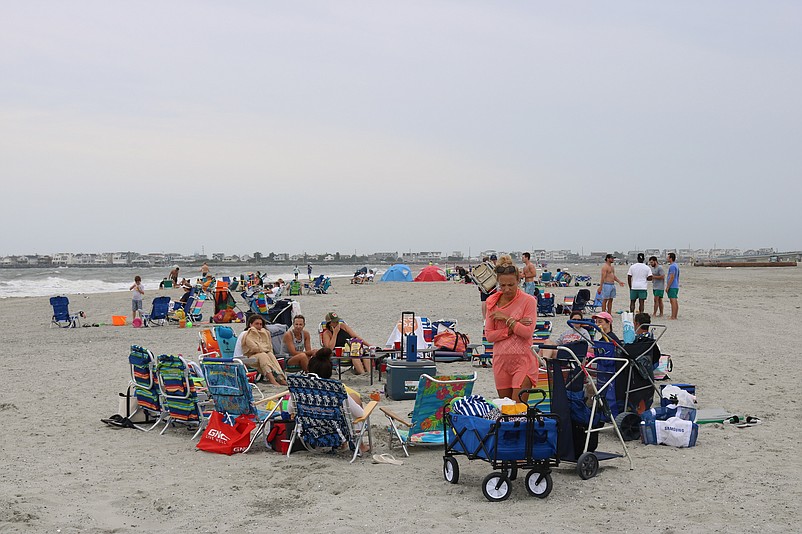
336, 334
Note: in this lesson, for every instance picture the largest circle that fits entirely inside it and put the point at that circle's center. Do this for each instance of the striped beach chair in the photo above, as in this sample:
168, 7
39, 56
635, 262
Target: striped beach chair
146, 386
180, 402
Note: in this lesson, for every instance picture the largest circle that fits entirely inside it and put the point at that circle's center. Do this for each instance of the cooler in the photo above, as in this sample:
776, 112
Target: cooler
403, 376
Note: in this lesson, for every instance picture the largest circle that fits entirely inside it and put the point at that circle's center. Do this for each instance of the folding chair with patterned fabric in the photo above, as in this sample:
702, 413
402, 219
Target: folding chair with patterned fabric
227, 384
426, 425
322, 416
146, 386
179, 397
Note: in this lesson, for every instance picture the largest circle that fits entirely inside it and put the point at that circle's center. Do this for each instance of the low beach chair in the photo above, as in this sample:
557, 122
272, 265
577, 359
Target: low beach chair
425, 426
322, 416
158, 312
146, 387
581, 300
207, 344
180, 401
226, 341
61, 313
568, 305
595, 304
232, 394
545, 305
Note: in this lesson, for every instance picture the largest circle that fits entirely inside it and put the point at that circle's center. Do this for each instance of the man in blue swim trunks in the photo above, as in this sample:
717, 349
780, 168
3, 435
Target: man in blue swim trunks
529, 274
608, 281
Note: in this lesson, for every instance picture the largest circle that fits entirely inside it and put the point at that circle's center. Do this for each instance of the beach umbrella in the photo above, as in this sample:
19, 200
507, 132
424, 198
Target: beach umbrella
431, 273
397, 273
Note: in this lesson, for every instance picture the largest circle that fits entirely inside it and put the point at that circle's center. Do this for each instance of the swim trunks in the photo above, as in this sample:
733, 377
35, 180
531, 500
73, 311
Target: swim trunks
673, 292
658, 293
637, 294
529, 288
608, 291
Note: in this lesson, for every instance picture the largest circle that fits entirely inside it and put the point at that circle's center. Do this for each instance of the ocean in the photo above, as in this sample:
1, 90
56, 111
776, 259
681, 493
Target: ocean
51, 281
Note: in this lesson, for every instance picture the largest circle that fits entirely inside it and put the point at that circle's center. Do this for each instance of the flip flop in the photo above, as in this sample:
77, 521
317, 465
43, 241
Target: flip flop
734, 420
386, 459
114, 420
750, 422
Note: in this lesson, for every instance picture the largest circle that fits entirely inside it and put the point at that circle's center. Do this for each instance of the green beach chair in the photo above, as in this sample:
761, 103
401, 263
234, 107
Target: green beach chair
426, 425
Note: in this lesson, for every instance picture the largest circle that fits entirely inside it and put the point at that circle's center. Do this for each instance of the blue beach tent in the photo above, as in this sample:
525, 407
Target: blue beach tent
397, 273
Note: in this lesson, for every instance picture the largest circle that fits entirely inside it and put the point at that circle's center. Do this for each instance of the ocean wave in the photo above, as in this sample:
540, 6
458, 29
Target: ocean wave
55, 285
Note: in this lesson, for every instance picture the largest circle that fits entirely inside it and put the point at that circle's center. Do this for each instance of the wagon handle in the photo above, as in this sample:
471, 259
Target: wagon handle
532, 391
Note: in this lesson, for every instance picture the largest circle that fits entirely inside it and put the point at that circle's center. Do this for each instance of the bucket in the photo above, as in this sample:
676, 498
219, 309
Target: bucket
182, 323
118, 320
137, 323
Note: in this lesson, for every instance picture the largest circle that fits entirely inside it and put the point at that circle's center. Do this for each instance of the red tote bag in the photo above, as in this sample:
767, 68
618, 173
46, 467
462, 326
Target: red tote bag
222, 438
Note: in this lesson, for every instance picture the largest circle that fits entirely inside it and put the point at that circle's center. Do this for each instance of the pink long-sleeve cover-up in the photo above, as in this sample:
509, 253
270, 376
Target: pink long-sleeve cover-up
512, 354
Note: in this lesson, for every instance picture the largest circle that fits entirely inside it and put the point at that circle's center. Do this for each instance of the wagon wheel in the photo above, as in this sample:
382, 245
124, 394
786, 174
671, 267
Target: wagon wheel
538, 484
629, 425
451, 470
496, 487
587, 466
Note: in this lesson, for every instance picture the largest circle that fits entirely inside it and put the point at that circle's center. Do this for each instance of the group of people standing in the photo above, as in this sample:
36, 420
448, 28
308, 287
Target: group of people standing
510, 311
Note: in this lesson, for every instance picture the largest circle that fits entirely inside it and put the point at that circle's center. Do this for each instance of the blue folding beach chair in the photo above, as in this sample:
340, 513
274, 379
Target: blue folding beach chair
545, 305
226, 341
227, 384
61, 313
158, 312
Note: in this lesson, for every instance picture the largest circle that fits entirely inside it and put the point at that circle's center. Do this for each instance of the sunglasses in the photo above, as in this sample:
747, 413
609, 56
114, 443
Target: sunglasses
509, 269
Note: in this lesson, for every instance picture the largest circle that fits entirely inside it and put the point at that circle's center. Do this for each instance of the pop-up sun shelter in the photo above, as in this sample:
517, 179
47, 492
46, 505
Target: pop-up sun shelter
397, 273
431, 273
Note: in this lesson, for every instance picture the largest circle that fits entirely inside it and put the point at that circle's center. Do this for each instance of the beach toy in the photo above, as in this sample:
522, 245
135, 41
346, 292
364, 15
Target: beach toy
189, 324
182, 323
118, 320
137, 323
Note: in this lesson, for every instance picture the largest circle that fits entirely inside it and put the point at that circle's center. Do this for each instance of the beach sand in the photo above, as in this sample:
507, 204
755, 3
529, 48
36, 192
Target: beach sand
61, 469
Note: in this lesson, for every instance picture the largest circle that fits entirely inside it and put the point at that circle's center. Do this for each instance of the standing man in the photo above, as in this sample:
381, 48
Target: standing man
638, 277
529, 274
296, 272
672, 285
608, 280
658, 285
309, 271
204, 270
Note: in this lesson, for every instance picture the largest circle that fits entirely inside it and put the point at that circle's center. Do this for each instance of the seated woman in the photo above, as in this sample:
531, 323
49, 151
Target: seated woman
298, 343
256, 343
336, 334
605, 323
569, 336
320, 364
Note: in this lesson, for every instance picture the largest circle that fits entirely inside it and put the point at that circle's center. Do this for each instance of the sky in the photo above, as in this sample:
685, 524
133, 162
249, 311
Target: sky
243, 126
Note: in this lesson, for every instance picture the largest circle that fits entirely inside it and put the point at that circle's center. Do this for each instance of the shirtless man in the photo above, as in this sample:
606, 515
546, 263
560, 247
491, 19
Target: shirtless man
608, 280
529, 274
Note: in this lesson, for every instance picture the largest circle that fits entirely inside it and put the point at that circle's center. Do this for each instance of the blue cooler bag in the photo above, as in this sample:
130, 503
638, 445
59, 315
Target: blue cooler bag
479, 437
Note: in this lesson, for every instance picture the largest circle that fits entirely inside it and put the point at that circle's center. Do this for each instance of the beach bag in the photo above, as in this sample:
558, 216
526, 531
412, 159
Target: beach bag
484, 275
224, 438
451, 340
659, 426
280, 435
128, 406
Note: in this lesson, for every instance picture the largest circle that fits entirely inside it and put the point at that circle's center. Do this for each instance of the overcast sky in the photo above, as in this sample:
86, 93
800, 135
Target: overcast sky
245, 126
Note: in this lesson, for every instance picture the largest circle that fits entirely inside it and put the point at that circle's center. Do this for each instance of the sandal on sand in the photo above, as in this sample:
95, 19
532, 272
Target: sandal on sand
386, 459
749, 422
114, 420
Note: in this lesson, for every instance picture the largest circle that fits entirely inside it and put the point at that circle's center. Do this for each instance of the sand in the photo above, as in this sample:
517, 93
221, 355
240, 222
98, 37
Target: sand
63, 470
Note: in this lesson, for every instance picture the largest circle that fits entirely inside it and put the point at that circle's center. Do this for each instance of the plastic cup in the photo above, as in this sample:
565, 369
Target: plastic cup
397, 345
338, 351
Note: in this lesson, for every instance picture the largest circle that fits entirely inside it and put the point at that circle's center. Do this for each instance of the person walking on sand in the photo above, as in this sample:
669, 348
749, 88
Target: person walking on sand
638, 277
509, 324
296, 272
309, 271
658, 285
137, 293
672, 285
174, 275
529, 275
608, 281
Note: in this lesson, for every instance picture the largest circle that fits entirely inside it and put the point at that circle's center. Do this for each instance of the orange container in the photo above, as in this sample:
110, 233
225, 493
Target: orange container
118, 320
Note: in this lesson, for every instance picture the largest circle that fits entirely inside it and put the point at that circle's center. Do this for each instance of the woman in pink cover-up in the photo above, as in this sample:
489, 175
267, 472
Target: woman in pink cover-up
509, 325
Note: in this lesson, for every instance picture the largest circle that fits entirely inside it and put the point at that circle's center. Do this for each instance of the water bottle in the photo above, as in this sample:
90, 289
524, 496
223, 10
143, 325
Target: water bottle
412, 348
629, 327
